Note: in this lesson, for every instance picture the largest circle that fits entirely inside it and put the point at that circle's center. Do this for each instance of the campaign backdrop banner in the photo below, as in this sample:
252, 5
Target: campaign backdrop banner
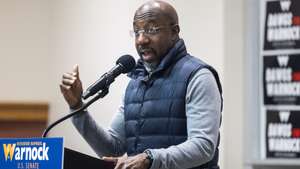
33, 153
282, 25
283, 134
281, 79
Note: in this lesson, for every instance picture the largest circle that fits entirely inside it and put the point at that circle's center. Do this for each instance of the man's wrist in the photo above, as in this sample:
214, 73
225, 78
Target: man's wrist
77, 105
149, 157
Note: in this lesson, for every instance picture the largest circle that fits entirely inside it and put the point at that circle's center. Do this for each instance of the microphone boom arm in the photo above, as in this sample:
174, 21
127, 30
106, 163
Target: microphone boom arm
99, 95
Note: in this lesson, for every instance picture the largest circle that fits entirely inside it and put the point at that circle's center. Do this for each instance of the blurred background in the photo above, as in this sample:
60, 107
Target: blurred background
42, 39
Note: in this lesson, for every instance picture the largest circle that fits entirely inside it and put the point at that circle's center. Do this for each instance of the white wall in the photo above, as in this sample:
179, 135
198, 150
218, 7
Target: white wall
234, 92
24, 50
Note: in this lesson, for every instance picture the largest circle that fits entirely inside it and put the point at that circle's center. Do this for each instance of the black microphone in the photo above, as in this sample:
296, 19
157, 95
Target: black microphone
123, 65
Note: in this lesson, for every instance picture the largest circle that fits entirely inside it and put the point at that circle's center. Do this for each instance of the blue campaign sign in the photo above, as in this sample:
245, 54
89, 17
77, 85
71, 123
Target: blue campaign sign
31, 153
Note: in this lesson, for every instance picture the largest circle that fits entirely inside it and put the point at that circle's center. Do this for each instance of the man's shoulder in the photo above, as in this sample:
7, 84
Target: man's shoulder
203, 70
196, 62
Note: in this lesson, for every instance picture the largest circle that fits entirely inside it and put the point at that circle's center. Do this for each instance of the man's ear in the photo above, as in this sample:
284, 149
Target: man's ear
176, 28
175, 31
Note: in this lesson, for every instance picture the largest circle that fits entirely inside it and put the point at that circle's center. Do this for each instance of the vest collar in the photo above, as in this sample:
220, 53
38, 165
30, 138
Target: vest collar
177, 52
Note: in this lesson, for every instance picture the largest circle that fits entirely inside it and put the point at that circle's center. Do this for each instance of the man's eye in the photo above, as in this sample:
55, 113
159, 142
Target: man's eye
152, 30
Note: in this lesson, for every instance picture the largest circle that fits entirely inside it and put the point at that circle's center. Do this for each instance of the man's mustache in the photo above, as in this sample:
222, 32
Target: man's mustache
142, 50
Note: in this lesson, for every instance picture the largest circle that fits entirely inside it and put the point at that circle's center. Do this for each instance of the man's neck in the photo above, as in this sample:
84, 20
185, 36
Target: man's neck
150, 67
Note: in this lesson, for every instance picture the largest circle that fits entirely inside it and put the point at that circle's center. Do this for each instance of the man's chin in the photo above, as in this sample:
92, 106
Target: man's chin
148, 58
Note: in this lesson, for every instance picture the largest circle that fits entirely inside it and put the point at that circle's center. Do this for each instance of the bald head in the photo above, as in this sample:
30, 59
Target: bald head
156, 30
157, 8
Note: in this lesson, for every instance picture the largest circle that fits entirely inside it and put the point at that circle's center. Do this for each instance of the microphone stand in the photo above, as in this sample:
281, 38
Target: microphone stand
99, 95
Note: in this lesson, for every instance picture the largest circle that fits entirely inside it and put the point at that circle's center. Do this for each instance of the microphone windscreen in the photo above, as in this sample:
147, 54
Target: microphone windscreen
127, 61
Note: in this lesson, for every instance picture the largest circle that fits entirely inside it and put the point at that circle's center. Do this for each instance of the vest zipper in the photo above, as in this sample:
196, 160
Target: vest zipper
139, 121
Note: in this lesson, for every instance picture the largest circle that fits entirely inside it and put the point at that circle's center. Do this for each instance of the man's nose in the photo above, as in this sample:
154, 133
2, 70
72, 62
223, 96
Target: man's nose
142, 39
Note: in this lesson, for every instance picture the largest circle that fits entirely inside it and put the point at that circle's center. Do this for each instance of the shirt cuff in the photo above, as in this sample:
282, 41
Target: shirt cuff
156, 164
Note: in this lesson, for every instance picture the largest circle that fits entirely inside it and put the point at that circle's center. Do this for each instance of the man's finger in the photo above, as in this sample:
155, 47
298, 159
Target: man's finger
110, 159
130, 164
64, 90
130, 160
63, 87
68, 76
120, 166
68, 82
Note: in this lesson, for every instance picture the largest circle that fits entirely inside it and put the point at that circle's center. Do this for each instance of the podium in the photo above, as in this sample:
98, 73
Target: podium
45, 153
77, 160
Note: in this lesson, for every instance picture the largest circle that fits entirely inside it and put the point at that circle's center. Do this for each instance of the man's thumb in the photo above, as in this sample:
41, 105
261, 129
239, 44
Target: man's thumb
76, 70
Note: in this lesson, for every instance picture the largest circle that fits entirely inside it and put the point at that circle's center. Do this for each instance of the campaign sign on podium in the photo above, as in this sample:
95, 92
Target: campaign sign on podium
31, 153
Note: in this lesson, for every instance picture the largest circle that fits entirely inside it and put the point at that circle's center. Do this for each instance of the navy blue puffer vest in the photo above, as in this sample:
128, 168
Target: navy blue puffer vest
154, 109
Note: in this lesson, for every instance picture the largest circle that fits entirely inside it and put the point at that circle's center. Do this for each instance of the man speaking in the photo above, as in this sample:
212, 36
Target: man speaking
171, 112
